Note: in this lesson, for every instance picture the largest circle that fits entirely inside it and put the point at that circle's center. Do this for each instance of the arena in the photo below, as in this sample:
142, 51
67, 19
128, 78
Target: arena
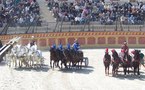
91, 77
31, 29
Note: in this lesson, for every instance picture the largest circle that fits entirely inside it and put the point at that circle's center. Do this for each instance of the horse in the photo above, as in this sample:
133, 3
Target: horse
61, 58
17, 55
53, 57
34, 56
77, 58
81, 57
107, 61
115, 62
125, 61
67, 56
39, 58
136, 61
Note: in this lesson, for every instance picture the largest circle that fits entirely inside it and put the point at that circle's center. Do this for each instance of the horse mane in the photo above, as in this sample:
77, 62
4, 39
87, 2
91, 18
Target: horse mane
137, 55
115, 55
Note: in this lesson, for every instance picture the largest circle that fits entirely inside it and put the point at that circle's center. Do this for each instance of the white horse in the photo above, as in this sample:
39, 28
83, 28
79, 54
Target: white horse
34, 56
18, 55
25, 55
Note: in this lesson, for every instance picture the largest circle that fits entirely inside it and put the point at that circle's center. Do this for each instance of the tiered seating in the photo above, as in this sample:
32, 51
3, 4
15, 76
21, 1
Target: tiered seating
22, 13
85, 11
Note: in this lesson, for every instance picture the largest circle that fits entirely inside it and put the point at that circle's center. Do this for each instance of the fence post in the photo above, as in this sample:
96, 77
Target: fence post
88, 26
140, 28
105, 28
128, 28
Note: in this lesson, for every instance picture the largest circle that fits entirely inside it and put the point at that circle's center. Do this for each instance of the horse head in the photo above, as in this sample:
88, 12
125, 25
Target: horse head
137, 55
107, 57
115, 56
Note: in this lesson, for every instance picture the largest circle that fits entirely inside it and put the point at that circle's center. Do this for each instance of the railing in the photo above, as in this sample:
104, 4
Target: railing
8, 46
61, 26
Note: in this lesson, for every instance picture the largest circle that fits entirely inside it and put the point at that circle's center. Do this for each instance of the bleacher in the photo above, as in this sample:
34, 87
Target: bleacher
64, 24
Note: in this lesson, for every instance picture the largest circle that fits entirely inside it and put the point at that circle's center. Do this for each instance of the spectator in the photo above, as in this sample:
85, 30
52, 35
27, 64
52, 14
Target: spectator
104, 12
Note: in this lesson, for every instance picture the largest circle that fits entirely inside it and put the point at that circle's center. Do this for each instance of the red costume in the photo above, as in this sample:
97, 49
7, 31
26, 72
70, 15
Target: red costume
125, 48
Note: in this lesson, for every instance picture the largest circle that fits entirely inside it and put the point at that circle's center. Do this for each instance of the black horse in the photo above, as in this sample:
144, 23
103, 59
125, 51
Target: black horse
61, 58
136, 61
107, 61
68, 57
53, 58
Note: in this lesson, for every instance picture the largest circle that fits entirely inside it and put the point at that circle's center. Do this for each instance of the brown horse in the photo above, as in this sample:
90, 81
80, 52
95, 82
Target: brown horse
115, 62
77, 58
106, 61
68, 57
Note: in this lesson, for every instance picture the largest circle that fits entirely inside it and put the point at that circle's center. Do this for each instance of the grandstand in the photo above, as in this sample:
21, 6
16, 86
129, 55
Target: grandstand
31, 16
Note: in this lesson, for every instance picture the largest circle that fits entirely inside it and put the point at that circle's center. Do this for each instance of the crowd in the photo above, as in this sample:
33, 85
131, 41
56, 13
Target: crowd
85, 11
22, 13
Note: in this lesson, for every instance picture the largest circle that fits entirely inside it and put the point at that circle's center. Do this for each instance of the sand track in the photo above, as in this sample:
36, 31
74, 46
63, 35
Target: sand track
87, 78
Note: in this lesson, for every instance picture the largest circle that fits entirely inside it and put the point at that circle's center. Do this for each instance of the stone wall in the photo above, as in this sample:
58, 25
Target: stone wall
86, 39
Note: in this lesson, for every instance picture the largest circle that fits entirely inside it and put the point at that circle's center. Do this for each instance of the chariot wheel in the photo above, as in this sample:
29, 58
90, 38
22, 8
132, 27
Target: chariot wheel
86, 61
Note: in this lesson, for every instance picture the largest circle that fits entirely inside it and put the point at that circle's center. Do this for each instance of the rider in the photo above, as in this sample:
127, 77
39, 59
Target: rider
53, 46
60, 47
76, 45
32, 42
125, 48
68, 46
121, 54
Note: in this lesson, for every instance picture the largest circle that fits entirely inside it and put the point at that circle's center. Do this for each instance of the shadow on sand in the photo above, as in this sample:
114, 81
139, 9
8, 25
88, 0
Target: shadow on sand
83, 70
131, 76
3, 63
44, 68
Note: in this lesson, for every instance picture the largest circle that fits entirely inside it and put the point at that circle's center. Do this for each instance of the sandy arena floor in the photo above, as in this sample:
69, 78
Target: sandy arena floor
87, 78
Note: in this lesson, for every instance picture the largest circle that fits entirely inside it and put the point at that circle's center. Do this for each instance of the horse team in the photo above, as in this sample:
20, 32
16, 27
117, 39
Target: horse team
29, 56
20, 56
68, 58
123, 60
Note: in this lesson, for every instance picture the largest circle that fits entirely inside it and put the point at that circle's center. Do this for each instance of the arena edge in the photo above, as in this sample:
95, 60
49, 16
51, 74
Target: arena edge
86, 39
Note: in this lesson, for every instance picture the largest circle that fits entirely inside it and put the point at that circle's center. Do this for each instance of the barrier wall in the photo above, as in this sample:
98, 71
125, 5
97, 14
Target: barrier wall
86, 39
